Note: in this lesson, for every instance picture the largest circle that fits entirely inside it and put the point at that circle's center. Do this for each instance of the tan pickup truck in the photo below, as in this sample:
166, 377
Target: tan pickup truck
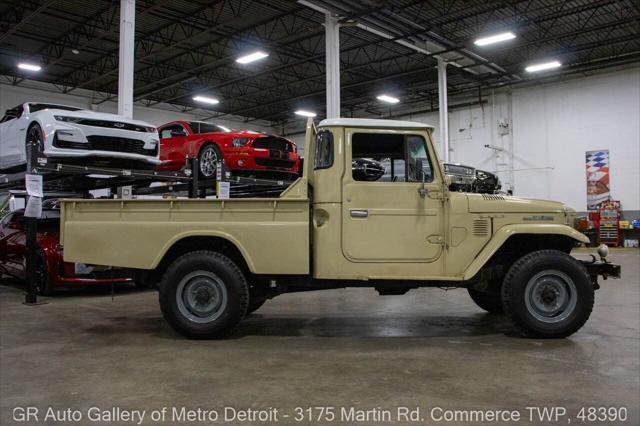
217, 260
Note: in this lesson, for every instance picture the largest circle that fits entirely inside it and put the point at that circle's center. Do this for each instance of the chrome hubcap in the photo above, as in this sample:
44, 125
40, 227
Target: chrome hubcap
550, 296
208, 160
201, 296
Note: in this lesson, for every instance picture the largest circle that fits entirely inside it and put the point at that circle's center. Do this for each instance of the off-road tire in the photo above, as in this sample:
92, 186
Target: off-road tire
521, 277
489, 301
223, 272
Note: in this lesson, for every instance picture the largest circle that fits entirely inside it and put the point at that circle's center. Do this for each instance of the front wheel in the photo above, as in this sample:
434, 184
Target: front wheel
547, 294
34, 145
203, 294
208, 161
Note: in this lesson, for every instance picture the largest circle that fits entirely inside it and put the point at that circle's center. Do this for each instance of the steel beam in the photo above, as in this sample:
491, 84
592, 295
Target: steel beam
444, 111
332, 51
126, 57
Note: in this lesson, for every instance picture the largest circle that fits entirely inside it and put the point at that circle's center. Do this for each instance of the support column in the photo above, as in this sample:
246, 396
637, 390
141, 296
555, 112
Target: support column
332, 52
443, 108
126, 57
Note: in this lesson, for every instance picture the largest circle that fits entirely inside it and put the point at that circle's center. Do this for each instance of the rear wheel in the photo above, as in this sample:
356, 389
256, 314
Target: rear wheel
203, 294
547, 294
208, 161
487, 300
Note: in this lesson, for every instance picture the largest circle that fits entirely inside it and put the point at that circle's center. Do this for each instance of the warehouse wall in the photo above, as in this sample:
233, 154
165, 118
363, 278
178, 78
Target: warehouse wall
11, 96
552, 126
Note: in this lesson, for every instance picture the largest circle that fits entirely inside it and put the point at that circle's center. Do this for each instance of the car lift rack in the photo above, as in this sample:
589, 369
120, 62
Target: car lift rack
79, 180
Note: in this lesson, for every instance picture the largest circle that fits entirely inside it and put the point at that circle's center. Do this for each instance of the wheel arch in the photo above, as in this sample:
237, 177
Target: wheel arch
514, 241
223, 244
200, 145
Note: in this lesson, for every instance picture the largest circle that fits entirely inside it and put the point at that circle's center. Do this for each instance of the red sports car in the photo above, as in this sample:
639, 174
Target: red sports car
244, 152
52, 272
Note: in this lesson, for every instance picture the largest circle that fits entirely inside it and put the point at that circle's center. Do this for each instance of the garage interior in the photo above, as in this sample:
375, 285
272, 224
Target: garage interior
424, 61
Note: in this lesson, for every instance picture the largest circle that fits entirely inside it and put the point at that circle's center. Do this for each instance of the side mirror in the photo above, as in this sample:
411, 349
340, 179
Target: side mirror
178, 133
422, 191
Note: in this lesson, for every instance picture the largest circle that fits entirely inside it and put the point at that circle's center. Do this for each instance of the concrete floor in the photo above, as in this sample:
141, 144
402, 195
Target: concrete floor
338, 348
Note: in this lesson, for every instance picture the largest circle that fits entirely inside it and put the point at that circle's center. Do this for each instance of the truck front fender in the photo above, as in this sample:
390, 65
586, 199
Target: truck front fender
506, 232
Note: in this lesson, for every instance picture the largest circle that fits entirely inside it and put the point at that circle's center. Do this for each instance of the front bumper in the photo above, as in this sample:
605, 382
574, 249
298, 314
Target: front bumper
260, 159
75, 141
602, 269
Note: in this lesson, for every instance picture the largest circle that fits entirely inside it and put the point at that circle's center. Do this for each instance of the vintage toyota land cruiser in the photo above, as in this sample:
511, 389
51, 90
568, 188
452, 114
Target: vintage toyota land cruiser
216, 260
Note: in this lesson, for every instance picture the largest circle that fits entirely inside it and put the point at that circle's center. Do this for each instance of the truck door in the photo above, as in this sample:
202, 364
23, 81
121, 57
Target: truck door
385, 217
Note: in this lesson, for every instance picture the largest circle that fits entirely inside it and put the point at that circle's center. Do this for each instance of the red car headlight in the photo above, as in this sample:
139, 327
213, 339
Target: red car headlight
239, 142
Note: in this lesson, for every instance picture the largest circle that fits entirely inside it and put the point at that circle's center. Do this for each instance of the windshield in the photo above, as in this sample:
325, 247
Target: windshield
198, 127
39, 107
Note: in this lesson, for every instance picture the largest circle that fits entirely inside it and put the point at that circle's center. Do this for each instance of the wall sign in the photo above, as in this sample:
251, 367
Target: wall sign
597, 163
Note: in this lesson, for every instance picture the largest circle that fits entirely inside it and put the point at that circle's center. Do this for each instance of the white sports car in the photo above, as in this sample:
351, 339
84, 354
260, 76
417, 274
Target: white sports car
77, 135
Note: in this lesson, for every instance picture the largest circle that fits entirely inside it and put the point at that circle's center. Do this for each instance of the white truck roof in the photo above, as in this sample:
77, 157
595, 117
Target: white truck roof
372, 122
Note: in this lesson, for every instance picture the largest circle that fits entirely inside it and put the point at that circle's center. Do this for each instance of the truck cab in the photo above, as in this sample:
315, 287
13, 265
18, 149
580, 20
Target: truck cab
217, 260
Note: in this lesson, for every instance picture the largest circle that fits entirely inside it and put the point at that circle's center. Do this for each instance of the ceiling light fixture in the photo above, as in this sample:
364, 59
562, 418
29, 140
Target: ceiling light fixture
388, 99
305, 113
255, 56
496, 38
206, 100
29, 67
543, 66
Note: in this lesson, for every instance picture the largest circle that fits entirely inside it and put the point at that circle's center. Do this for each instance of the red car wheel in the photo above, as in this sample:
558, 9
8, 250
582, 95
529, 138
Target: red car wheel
208, 161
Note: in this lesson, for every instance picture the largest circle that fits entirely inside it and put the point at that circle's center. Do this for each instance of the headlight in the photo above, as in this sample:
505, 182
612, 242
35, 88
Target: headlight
151, 129
239, 142
67, 119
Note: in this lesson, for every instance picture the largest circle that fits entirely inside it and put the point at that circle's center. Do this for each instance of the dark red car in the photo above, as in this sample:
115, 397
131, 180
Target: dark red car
244, 152
53, 272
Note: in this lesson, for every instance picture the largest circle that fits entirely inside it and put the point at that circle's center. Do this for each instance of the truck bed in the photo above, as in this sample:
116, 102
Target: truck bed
272, 234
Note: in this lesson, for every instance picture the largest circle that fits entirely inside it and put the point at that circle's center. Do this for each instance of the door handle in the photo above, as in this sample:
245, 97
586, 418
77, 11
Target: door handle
359, 213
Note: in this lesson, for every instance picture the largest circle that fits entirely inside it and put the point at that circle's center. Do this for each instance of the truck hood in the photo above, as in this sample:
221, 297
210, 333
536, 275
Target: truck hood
483, 203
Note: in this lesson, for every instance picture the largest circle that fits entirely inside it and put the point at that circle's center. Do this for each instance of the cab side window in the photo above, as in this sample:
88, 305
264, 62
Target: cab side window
385, 157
